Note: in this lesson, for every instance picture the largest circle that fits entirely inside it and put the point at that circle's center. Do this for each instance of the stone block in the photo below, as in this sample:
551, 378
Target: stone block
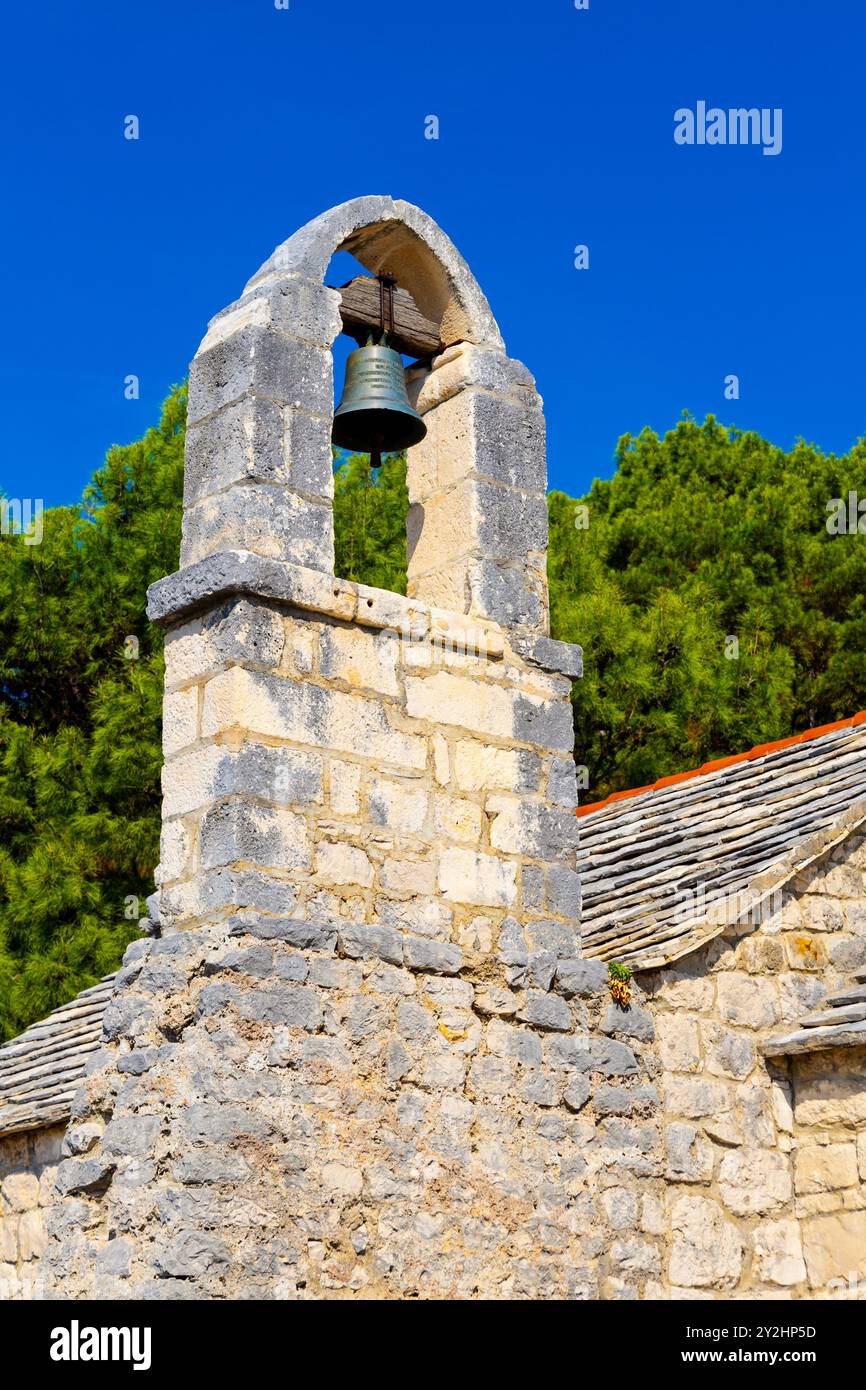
829, 1090
495, 1001
576, 1093
465, 365
510, 1040
706, 1250
264, 519
825, 1167
521, 826
799, 994
689, 1154
471, 704
285, 776
439, 956
562, 783
179, 720
694, 1097
83, 1174
240, 831
754, 1181
32, 1236
362, 660
546, 1011
9, 1239
339, 864
131, 1136
746, 1000
243, 631
581, 978
546, 723
397, 805
345, 782
618, 1100
778, 1254
633, 1022
294, 1006
834, 1247
476, 434
361, 942
728, 1053
563, 891
307, 714
257, 361
408, 878
564, 658
482, 767
477, 879
246, 442
456, 818
190, 1254
679, 1042
19, 1192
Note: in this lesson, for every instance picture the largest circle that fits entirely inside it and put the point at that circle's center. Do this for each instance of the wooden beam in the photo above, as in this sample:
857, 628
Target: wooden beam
414, 335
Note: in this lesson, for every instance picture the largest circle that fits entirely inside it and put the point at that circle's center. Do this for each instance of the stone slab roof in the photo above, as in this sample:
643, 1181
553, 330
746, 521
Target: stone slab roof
41, 1069
667, 867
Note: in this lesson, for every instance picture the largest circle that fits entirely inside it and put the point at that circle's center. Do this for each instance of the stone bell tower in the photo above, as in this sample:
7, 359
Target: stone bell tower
356, 1060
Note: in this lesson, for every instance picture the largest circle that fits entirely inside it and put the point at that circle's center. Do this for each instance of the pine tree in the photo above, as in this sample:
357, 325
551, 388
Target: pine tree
80, 724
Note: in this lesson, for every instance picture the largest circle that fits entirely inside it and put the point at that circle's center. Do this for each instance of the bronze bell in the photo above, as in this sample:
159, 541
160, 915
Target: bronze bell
374, 415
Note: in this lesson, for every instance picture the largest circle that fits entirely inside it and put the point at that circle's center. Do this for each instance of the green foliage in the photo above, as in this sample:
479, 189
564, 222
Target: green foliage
80, 724
617, 971
370, 521
706, 535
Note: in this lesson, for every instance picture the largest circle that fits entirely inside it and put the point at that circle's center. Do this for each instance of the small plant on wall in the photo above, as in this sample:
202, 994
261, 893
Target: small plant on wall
619, 983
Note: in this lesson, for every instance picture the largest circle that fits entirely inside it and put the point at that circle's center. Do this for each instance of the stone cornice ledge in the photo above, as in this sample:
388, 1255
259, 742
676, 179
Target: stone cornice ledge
232, 572
815, 1040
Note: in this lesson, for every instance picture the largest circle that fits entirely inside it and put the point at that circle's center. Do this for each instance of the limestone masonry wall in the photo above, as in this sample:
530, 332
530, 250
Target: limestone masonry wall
367, 1058
28, 1167
766, 1159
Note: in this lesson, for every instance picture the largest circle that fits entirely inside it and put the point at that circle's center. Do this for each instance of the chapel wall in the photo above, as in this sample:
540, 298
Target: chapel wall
763, 1171
28, 1166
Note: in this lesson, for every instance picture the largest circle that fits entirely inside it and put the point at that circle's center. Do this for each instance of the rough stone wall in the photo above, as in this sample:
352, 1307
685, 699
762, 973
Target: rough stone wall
366, 1059
28, 1167
829, 1137
286, 1111
759, 1151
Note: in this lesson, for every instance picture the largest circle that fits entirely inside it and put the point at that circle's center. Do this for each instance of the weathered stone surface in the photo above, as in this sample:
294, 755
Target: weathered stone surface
546, 1011
754, 1181
19, 1192
707, 1251
834, 1247
689, 1155
478, 879
825, 1167
583, 978
633, 1022
679, 1042
778, 1253
746, 1000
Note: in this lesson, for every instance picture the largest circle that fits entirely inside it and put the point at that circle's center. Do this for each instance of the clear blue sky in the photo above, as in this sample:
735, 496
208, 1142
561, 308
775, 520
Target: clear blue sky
556, 128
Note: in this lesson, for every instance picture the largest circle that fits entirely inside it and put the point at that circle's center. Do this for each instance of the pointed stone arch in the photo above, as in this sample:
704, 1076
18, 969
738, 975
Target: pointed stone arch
258, 456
